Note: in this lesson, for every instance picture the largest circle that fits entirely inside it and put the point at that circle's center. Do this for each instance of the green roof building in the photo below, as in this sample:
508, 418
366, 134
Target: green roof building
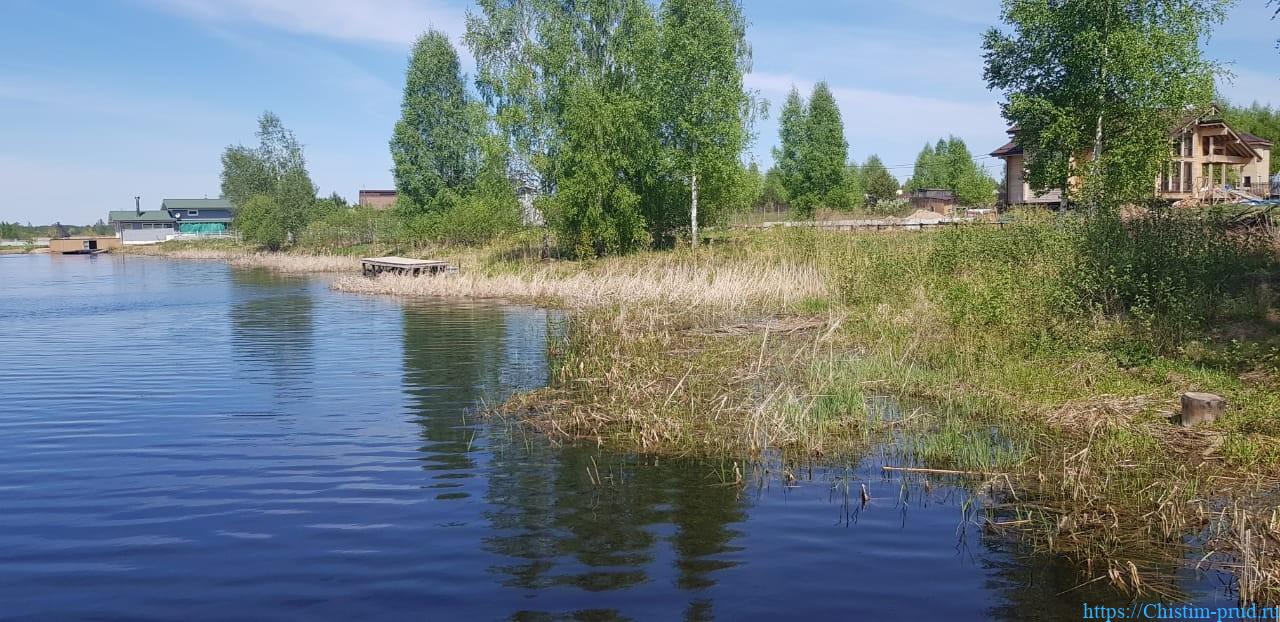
176, 217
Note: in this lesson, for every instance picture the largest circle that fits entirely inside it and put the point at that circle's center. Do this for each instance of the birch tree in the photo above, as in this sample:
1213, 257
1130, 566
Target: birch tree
704, 108
1094, 86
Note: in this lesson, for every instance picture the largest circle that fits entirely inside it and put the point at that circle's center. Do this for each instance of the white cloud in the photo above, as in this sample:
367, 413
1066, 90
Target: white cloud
391, 22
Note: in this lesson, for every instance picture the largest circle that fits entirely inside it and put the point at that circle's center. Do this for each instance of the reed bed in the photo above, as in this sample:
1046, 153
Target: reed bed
280, 262
1044, 381
721, 286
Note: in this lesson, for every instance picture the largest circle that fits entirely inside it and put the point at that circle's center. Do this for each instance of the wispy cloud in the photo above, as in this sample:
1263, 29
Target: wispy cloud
390, 22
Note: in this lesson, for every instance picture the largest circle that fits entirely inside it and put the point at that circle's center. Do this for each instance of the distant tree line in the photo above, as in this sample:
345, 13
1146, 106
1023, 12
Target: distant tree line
16, 231
948, 165
1259, 120
812, 168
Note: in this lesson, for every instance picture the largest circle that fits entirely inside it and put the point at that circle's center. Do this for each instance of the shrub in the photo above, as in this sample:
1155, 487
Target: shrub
262, 221
1171, 271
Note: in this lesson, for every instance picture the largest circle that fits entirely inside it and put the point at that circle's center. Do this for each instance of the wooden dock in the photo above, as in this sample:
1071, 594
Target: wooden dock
373, 266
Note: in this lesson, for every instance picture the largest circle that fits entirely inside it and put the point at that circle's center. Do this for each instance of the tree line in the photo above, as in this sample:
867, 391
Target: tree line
18, 231
629, 120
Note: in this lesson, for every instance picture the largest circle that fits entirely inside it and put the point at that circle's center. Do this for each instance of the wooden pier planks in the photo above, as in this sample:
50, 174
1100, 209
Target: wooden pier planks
373, 266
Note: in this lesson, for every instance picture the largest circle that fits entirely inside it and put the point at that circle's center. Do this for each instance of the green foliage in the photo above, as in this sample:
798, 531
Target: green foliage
950, 166
277, 170
1169, 271
849, 194
927, 173
1093, 87
877, 181
750, 188
432, 143
1259, 120
261, 220
701, 59
812, 153
594, 211
791, 140
824, 152
1051, 285
612, 111
11, 231
773, 194
17, 231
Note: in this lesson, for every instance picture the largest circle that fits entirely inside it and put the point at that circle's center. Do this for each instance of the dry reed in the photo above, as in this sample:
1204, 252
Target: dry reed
280, 262
736, 287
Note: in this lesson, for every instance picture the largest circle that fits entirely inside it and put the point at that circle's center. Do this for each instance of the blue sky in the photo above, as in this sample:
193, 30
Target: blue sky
102, 101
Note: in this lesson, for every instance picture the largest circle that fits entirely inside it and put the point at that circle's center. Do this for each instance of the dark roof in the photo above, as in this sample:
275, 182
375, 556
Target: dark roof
1010, 148
195, 204
134, 216
932, 193
1252, 139
378, 192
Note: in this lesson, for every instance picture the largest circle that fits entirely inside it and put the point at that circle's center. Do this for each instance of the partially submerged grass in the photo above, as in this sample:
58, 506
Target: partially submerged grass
1048, 375
1068, 405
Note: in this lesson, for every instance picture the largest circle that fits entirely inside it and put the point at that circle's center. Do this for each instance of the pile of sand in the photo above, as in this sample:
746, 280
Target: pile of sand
925, 215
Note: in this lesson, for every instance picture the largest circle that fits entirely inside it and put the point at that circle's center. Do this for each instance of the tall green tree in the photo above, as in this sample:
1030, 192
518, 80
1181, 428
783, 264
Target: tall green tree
1259, 120
773, 195
824, 150
276, 168
703, 55
575, 90
514, 76
849, 194
432, 144
925, 172
879, 183
791, 140
1093, 87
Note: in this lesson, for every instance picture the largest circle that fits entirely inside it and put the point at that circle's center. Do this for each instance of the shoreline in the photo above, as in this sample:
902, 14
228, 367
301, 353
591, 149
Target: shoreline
785, 340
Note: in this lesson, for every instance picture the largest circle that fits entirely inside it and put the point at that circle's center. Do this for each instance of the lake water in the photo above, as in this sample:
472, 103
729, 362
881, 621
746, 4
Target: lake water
188, 441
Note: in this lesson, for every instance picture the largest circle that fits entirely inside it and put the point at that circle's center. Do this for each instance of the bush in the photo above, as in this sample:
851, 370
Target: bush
1044, 282
262, 221
1171, 271
346, 227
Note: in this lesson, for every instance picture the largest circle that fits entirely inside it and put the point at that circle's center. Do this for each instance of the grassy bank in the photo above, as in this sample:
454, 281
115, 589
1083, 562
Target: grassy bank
1047, 359
1043, 362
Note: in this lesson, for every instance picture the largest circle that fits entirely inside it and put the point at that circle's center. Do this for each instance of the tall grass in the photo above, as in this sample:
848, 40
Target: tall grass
1051, 352
628, 284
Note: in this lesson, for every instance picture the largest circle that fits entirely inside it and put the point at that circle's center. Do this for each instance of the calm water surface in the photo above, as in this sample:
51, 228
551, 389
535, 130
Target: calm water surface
184, 440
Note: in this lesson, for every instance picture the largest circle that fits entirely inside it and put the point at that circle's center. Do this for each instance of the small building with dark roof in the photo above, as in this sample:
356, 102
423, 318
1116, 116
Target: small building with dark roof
938, 200
175, 217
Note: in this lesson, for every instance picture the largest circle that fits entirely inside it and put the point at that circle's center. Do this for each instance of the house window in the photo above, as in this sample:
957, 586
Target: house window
1187, 139
1248, 182
193, 212
1186, 177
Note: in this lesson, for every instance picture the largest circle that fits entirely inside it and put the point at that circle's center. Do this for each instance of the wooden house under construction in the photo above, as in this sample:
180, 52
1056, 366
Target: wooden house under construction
1211, 162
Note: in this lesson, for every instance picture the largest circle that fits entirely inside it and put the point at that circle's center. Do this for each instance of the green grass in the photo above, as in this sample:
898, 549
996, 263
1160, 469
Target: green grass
1051, 351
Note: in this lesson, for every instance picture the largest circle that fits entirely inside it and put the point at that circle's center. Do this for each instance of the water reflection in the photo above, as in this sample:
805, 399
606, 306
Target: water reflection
272, 332
601, 523
376, 493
